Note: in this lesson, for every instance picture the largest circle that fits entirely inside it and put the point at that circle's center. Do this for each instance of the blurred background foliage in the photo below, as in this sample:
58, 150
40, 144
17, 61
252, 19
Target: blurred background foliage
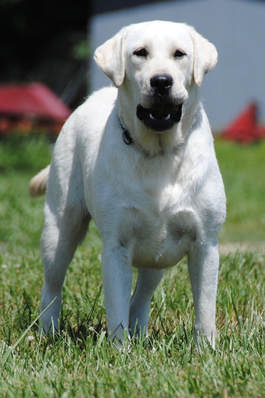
46, 41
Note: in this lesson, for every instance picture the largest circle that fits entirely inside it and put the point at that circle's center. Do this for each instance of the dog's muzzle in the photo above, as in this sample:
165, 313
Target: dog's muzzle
163, 113
159, 117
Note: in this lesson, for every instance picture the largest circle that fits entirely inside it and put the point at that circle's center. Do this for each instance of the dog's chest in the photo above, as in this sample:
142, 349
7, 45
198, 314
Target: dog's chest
159, 231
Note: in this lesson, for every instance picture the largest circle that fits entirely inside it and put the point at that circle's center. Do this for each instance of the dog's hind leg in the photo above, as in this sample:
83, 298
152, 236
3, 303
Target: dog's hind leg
60, 238
147, 281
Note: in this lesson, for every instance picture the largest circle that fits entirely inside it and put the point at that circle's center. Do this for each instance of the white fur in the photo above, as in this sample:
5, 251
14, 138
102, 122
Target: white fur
153, 201
37, 185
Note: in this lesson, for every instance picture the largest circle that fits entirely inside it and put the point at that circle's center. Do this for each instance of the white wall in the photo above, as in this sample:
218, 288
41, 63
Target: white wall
236, 27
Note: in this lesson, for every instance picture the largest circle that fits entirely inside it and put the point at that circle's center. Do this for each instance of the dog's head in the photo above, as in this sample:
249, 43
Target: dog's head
158, 62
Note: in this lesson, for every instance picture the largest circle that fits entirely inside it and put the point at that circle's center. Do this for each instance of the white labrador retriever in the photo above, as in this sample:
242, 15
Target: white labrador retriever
139, 159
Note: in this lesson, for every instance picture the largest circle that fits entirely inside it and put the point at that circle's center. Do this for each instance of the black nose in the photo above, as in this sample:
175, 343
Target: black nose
161, 83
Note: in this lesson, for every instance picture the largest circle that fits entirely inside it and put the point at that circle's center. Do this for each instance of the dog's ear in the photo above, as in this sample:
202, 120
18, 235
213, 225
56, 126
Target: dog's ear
205, 56
111, 59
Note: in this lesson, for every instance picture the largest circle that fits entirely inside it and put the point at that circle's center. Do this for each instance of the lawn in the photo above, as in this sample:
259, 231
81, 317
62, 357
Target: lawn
243, 169
81, 362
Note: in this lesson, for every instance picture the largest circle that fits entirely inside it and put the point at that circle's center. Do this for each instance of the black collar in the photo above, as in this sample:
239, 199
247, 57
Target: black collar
127, 139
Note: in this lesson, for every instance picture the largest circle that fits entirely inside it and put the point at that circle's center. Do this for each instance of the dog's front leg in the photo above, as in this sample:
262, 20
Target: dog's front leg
117, 280
203, 269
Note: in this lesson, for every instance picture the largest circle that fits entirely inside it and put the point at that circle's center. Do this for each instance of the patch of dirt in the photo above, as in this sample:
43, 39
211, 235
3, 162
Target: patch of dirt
257, 247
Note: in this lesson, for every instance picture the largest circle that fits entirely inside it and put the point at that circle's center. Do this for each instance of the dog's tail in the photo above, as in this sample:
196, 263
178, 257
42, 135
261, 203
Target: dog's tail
38, 183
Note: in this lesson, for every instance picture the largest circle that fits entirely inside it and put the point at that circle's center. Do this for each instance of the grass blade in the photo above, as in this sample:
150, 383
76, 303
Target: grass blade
13, 347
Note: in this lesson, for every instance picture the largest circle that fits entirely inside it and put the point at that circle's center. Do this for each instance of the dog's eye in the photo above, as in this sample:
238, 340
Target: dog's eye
179, 54
141, 52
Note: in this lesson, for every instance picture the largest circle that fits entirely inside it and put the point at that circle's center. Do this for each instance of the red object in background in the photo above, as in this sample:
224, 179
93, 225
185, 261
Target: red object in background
261, 131
23, 106
244, 128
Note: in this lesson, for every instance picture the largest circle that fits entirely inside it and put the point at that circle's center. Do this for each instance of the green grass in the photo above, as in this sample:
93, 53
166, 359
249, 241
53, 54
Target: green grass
243, 169
81, 362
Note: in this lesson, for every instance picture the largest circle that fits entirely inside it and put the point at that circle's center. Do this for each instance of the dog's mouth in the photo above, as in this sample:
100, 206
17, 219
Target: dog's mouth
159, 118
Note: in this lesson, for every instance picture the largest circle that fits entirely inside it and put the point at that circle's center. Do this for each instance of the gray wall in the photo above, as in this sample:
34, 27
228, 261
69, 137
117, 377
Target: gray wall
236, 27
